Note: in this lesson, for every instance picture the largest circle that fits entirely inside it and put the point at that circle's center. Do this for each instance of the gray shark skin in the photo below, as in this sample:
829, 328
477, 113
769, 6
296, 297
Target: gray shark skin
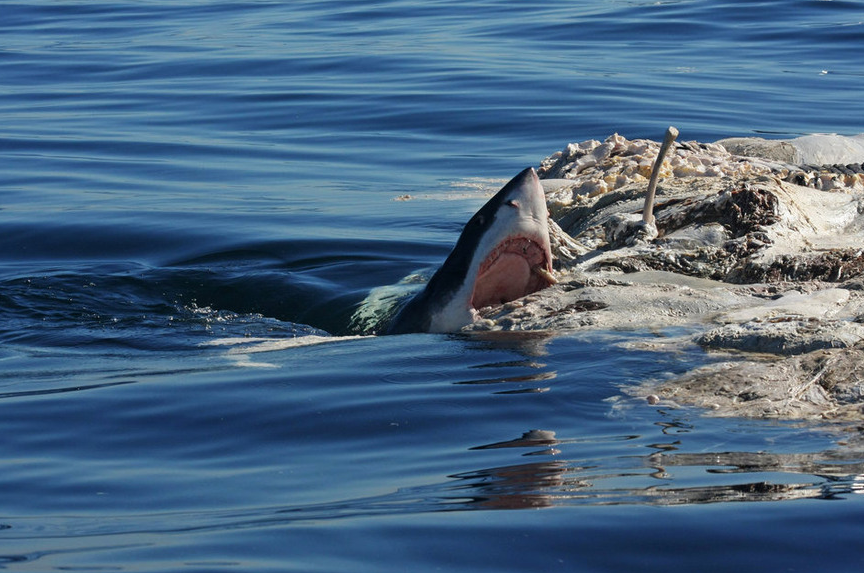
502, 254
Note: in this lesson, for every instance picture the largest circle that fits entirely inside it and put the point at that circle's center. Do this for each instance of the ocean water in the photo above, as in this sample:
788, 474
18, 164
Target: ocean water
195, 197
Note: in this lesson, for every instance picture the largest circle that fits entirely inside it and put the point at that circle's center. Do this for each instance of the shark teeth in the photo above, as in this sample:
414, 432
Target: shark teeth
544, 273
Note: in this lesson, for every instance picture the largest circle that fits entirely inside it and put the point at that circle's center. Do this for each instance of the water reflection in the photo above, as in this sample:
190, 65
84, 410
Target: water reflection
528, 343
532, 438
549, 480
653, 478
562, 470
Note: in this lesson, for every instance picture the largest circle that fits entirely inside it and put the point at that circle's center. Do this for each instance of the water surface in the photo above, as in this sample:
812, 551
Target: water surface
192, 192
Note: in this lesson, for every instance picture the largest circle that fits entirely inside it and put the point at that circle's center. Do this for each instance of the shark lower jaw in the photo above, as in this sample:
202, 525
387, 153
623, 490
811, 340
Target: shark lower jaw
516, 267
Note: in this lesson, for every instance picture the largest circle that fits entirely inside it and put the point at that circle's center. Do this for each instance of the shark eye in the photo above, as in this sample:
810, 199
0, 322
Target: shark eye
512, 203
479, 220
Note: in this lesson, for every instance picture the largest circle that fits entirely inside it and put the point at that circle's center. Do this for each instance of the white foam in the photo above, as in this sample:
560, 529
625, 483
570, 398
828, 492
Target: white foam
241, 348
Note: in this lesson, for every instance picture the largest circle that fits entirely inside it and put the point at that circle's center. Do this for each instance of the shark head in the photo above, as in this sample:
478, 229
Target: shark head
502, 254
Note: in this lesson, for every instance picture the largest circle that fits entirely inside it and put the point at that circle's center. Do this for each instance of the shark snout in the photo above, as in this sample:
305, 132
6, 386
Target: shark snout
528, 178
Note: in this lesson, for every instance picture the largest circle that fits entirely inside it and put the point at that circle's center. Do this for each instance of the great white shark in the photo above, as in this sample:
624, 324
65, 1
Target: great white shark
502, 254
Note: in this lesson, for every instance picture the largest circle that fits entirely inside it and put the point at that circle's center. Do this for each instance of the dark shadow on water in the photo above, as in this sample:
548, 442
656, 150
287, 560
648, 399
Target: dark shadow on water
76, 388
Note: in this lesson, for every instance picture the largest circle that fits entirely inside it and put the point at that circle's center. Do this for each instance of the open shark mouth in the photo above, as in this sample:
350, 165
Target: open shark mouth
516, 267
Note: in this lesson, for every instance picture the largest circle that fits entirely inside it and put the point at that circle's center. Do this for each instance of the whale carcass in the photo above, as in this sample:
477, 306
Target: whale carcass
757, 258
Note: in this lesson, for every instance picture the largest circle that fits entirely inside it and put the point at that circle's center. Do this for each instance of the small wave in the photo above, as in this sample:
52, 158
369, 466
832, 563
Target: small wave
241, 349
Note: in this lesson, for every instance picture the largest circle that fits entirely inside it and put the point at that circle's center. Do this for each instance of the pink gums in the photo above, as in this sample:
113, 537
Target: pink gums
506, 273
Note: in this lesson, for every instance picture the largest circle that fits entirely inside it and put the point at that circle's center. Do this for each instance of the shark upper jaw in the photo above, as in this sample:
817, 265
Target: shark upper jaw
510, 255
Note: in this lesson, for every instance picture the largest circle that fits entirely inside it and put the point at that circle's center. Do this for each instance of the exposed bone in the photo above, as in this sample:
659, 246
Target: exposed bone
648, 210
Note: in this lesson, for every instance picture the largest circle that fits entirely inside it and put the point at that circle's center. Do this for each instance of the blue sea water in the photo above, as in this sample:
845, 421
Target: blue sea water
191, 190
